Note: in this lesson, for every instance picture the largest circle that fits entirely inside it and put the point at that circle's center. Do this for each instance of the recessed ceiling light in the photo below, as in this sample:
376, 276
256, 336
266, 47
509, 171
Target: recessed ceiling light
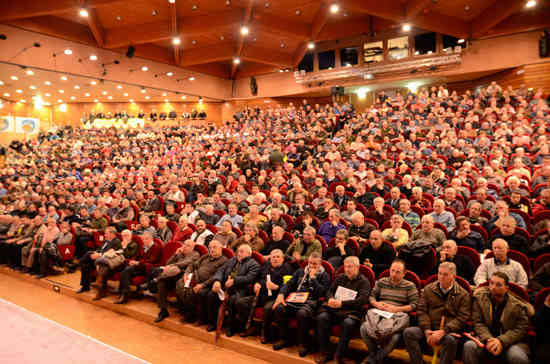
369, 76
14, 78
87, 94
194, 42
93, 83
48, 94
147, 97
311, 45
19, 91
227, 2
145, 68
68, 52
267, 5
176, 41
236, 60
93, 57
76, 87
191, 78
64, 78
298, 12
334, 8
131, 100
281, 70
416, 53
194, 7
32, 87
96, 100
282, 45
119, 87
460, 41
61, 91
118, 18
406, 27
430, 52
466, 7
530, 4
105, 92
47, 83
166, 100
7, 94
143, 90
73, 97
83, 13
172, 1
183, 97
126, 94
1, 83
110, 97
222, 37
164, 94
59, 100
154, 12
169, 74
29, 72
244, 30
22, 101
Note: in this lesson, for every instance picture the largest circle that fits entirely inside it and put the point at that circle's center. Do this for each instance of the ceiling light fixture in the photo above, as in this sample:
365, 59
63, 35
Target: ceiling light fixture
32, 87
183, 97
147, 97
172, 1
76, 87
83, 12
64, 78
131, 100
460, 41
194, 7
93, 83
73, 97
47, 94
236, 60
14, 78
166, 100
93, 57
191, 78
298, 12
406, 27
104, 92
164, 94
19, 91
7, 94
61, 91
47, 83
1, 83
169, 74
244, 30
87, 94
530, 3
193, 42
369, 76
145, 68
176, 41
29, 72
311, 45
119, 87
334, 8
143, 90
126, 94
68, 52
110, 97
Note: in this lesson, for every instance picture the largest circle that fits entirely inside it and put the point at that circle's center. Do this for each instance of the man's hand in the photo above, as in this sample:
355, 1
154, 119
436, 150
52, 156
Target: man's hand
216, 287
229, 283
135, 262
312, 272
494, 346
94, 256
443, 255
435, 337
257, 288
279, 301
272, 286
296, 255
197, 288
334, 303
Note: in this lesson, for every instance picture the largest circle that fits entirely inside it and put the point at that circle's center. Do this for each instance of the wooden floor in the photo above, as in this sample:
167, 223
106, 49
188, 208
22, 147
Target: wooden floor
130, 327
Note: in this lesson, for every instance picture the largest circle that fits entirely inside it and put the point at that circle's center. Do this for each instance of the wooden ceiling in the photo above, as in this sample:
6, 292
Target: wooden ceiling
280, 30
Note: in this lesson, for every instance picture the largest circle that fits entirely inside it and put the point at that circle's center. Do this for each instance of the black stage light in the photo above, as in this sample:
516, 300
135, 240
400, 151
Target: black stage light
130, 52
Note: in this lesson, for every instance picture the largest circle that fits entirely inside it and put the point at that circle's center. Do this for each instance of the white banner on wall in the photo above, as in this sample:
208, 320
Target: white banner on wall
7, 124
27, 125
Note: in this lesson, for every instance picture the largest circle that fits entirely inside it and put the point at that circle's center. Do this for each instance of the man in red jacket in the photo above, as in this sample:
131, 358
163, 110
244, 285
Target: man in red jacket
152, 254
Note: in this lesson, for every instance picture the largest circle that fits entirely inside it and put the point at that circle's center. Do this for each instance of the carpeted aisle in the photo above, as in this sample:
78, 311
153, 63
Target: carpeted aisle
26, 337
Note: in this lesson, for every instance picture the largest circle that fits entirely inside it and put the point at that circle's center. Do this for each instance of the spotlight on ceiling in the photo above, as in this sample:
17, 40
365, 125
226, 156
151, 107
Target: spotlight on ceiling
83, 12
176, 41
244, 30
311, 45
145, 68
93, 57
191, 78
236, 60
530, 4
406, 27
460, 41
169, 74
130, 52
368, 76
68, 52
29, 72
172, 1
334, 8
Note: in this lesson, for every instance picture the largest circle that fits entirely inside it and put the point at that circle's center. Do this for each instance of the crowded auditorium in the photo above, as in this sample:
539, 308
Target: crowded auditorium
305, 181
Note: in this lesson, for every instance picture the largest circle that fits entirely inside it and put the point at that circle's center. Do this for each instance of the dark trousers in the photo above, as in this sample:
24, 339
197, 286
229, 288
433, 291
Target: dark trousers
81, 245
127, 274
164, 286
45, 262
243, 306
87, 267
213, 304
325, 320
303, 313
413, 336
13, 254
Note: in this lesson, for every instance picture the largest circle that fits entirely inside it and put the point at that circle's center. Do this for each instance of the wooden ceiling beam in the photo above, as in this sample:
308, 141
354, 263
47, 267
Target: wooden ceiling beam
96, 28
174, 29
217, 53
151, 51
214, 69
240, 43
23, 9
521, 22
319, 21
494, 14
266, 56
160, 30
415, 7
57, 27
253, 69
280, 26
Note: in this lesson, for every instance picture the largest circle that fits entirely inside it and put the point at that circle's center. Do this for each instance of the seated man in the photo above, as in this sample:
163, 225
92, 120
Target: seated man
167, 276
464, 265
302, 248
274, 220
507, 231
501, 263
277, 241
503, 211
87, 262
144, 226
202, 235
440, 215
378, 214
311, 283
474, 215
151, 256
232, 216
408, 215
329, 228
250, 237
225, 234
359, 229
350, 210
233, 279
395, 234
164, 232
500, 322
443, 309
192, 289
184, 231
342, 310
429, 233
464, 236
391, 294
271, 279
376, 255
340, 249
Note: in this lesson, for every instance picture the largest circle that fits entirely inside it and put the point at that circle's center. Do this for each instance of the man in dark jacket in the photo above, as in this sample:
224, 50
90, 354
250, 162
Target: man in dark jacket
299, 298
464, 266
87, 262
270, 280
442, 310
343, 308
234, 279
377, 255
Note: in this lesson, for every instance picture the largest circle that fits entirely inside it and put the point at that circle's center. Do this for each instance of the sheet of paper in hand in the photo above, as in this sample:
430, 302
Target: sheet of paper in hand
297, 297
384, 314
345, 294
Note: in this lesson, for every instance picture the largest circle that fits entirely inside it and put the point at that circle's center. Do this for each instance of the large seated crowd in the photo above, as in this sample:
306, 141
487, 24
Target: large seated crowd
422, 221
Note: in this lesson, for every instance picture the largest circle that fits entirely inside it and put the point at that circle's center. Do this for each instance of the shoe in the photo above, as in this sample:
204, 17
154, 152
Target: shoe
83, 289
40, 276
279, 345
229, 331
162, 315
250, 332
323, 358
303, 351
101, 293
24, 270
211, 328
122, 299
265, 340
